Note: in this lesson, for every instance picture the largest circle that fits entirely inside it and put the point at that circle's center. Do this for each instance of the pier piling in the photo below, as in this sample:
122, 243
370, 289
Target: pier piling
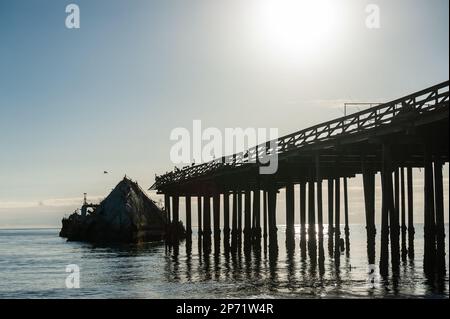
330, 216
303, 218
312, 243
429, 215
226, 219
411, 230
319, 198
346, 227
404, 250
256, 227
216, 219
167, 207
199, 216
247, 219
440, 226
290, 231
272, 203
176, 206
369, 201
188, 218
234, 226
394, 219
207, 222
337, 218
265, 218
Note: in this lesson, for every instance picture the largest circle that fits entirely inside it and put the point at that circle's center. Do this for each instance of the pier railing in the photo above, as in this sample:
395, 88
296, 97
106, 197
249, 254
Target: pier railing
419, 103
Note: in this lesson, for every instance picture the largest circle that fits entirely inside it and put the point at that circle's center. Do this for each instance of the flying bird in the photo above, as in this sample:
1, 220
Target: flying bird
105, 172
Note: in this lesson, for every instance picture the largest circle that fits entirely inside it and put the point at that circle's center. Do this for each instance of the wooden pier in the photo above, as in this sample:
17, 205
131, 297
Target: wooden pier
389, 139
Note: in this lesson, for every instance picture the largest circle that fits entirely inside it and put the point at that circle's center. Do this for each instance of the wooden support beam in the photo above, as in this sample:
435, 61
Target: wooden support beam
272, 205
330, 216
394, 223
176, 206
346, 227
226, 215
206, 221
256, 231
411, 230
384, 251
388, 209
319, 198
188, 218
337, 218
312, 246
253, 215
429, 215
265, 217
290, 231
403, 214
167, 207
239, 213
247, 218
216, 217
199, 216
369, 201
234, 227
303, 217
440, 224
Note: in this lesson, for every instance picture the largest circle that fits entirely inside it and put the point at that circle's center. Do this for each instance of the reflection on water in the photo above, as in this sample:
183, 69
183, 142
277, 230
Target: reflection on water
32, 264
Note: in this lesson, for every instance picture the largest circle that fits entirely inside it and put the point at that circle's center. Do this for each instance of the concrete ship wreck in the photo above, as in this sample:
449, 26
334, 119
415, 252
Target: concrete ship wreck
126, 215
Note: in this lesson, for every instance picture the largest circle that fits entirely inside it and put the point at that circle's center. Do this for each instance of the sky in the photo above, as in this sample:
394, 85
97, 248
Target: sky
106, 96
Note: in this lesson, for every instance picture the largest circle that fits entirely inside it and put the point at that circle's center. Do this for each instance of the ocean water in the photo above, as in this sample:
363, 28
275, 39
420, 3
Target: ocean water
33, 265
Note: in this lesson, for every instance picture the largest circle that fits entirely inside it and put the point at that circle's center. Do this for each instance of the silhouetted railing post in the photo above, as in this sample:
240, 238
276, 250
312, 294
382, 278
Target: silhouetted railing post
411, 230
290, 231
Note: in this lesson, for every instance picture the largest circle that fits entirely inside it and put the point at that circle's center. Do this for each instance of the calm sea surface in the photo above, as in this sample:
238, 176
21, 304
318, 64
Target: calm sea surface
33, 265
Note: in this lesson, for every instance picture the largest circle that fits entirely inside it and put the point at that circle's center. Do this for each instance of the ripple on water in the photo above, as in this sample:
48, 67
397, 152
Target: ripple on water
32, 265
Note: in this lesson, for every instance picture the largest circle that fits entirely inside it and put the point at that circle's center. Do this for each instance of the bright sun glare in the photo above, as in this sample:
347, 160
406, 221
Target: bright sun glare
297, 29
